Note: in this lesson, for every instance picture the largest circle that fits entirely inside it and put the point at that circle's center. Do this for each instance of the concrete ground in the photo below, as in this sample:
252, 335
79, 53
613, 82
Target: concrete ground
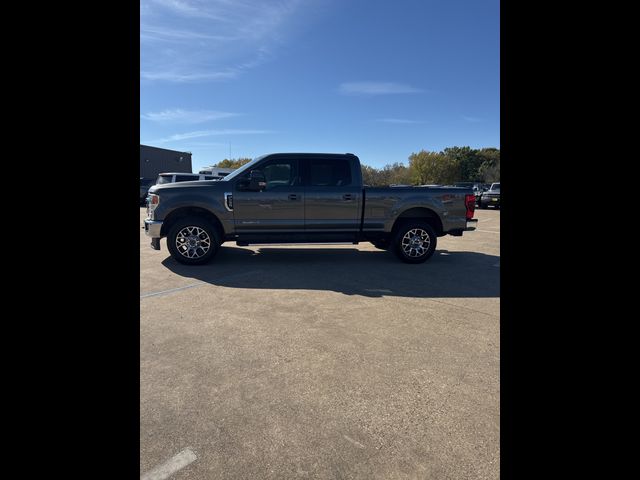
322, 361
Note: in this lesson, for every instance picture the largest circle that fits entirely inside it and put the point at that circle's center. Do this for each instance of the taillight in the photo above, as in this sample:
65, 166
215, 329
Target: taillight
154, 199
470, 203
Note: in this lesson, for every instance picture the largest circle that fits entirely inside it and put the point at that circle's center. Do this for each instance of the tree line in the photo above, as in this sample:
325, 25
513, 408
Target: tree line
451, 165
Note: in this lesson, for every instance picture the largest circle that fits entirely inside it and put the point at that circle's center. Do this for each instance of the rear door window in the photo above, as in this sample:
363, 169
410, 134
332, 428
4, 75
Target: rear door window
329, 173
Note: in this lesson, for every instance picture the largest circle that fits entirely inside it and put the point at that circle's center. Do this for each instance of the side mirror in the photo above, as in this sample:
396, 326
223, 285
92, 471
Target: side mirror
257, 181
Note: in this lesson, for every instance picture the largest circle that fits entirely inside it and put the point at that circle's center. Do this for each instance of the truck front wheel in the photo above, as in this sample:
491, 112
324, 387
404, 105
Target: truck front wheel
193, 241
415, 242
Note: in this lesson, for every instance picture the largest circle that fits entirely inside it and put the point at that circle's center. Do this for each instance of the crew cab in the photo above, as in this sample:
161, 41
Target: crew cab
303, 198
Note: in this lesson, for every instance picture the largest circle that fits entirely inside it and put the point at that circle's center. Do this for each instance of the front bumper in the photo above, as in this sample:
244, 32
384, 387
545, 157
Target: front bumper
471, 225
495, 201
152, 228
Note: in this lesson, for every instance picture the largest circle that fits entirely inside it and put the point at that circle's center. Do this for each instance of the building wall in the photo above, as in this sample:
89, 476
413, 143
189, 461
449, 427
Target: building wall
154, 160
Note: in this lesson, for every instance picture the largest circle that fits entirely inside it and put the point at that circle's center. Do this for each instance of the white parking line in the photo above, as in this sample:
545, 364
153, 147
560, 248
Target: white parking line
171, 466
355, 442
222, 279
485, 231
171, 290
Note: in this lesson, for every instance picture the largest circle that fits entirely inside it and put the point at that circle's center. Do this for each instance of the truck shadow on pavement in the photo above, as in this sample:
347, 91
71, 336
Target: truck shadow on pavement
349, 271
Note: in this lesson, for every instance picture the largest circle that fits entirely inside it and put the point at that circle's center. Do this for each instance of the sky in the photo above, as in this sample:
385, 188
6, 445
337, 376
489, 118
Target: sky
380, 79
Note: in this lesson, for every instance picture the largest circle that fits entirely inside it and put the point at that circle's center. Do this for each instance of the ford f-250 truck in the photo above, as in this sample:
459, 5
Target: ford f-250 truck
303, 198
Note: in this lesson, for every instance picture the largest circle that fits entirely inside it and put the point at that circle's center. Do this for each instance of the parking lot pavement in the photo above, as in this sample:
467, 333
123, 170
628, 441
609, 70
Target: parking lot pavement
323, 361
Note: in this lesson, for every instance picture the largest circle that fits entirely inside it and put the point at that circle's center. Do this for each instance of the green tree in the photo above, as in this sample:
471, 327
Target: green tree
232, 163
489, 170
433, 167
396, 174
369, 175
390, 174
468, 160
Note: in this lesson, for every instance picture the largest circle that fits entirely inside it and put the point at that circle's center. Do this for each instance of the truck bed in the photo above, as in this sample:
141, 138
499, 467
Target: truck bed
382, 205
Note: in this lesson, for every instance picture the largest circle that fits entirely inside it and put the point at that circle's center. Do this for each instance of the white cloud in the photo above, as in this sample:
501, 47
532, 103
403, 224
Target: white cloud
179, 115
376, 88
208, 144
398, 120
184, 77
161, 34
186, 8
209, 133
199, 41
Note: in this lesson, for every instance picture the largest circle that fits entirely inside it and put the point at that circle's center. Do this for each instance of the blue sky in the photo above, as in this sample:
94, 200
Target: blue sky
380, 79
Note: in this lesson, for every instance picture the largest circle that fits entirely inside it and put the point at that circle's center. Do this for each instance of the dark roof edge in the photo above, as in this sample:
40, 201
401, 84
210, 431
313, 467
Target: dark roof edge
165, 149
309, 154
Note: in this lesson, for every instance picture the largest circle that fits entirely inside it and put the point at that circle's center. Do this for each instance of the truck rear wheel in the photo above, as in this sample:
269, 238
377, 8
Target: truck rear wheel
193, 241
415, 242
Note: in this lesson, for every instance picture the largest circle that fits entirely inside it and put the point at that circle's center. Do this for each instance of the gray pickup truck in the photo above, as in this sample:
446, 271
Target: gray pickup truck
303, 198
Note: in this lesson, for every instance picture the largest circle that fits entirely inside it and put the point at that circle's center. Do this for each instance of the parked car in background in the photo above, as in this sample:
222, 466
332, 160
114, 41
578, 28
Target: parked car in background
481, 188
217, 172
477, 188
173, 177
145, 185
491, 197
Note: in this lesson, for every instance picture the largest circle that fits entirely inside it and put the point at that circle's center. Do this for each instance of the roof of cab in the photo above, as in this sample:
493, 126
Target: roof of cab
307, 154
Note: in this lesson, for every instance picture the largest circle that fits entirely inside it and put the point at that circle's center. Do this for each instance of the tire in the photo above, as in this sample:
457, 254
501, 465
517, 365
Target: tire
413, 250
193, 241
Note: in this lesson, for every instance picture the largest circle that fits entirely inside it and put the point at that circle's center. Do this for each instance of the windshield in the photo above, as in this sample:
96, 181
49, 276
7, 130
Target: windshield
242, 169
495, 187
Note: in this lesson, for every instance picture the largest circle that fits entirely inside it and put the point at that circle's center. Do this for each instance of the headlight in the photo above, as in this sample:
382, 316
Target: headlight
152, 202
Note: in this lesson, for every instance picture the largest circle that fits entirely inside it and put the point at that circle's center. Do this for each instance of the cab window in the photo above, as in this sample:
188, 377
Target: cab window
329, 173
280, 173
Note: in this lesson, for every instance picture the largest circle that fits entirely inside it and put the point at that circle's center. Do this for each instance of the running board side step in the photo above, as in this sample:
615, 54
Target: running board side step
246, 244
